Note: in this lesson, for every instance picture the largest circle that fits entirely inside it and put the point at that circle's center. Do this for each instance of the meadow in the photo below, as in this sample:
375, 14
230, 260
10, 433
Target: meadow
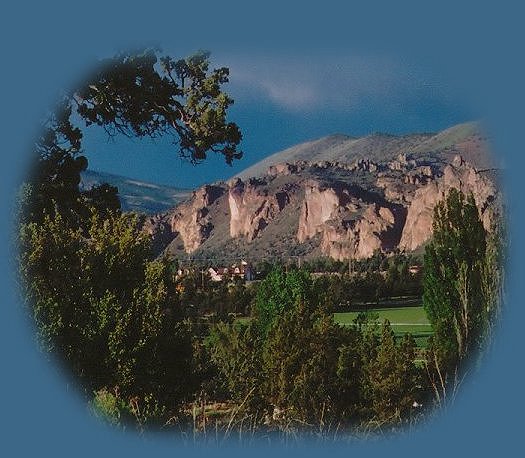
404, 320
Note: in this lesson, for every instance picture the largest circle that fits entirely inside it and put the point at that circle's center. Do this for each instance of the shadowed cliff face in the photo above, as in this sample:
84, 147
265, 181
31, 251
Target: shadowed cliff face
347, 208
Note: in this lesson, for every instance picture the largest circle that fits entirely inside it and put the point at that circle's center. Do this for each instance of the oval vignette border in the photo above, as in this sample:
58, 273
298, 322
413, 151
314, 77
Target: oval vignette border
40, 418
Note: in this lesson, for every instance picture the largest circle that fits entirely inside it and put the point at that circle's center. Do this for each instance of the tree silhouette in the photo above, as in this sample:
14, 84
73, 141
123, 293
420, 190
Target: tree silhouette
136, 94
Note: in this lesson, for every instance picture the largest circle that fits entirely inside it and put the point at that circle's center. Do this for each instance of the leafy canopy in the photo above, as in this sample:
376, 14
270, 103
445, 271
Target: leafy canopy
145, 94
106, 308
136, 94
279, 292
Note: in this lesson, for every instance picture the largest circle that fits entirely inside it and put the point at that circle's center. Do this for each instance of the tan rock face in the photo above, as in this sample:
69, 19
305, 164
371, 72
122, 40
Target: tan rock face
418, 226
318, 206
459, 175
191, 221
349, 227
359, 238
252, 208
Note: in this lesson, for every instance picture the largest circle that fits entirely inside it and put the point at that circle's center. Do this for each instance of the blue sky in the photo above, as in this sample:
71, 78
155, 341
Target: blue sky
282, 100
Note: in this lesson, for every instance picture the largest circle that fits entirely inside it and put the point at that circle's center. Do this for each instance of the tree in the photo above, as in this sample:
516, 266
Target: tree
105, 308
393, 377
453, 296
53, 182
146, 94
306, 372
493, 276
279, 292
300, 362
236, 351
137, 94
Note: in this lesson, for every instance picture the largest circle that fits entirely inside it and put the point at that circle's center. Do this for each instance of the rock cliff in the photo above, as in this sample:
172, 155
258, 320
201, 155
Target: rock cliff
346, 207
358, 238
460, 175
319, 206
252, 207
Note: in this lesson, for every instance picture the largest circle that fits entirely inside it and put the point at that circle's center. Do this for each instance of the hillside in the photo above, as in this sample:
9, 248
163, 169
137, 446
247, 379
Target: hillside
338, 196
378, 147
137, 195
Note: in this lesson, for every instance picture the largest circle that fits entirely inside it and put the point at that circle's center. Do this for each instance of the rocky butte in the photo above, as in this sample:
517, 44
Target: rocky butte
338, 196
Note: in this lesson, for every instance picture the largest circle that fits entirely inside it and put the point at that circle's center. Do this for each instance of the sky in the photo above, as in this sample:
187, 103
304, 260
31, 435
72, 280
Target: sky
282, 100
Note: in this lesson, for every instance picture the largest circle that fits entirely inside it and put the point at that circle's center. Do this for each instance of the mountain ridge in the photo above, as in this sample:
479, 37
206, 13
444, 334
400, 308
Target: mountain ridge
137, 195
336, 196
375, 146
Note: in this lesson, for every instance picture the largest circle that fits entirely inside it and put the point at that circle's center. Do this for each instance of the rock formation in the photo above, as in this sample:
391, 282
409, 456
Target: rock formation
338, 208
365, 165
358, 238
252, 208
282, 169
349, 226
189, 220
459, 175
318, 207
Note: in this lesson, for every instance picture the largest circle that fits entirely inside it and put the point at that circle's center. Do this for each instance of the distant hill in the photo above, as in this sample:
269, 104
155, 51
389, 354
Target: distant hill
377, 147
137, 195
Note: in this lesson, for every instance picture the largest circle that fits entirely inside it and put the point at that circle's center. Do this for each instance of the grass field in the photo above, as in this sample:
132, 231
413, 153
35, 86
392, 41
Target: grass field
404, 320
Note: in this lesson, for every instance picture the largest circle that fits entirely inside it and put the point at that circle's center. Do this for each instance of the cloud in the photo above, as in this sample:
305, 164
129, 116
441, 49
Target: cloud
312, 82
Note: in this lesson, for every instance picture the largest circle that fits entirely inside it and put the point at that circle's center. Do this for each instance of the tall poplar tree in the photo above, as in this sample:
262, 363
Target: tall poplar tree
453, 297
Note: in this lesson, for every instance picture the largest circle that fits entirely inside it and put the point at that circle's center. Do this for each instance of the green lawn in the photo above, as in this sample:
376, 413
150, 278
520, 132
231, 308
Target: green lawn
403, 320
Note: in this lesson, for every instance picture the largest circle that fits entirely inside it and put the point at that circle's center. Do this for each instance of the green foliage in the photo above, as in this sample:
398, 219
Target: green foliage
463, 289
279, 292
136, 94
324, 264
306, 370
493, 276
102, 198
110, 407
349, 373
452, 295
105, 308
301, 359
143, 93
394, 381
135, 412
236, 352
